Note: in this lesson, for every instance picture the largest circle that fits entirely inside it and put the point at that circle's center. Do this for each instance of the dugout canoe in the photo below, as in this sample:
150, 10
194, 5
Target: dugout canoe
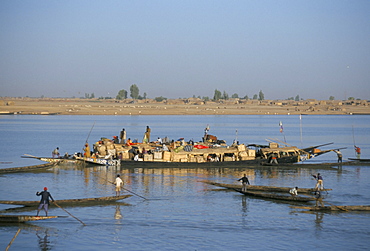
359, 160
275, 196
263, 188
335, 208
73, 202
23, 218
27, 168
52, 160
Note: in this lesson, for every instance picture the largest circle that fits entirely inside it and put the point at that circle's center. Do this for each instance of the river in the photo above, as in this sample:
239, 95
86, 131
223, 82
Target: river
179, 211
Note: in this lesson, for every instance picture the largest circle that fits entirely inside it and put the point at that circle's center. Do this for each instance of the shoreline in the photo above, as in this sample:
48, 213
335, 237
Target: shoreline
28, 106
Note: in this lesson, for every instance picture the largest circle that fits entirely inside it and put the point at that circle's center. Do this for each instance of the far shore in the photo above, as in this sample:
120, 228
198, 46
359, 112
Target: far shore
29, 106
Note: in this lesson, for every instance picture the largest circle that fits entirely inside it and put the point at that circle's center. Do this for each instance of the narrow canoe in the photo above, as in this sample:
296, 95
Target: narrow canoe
27, 168
360, 160
23, 218
336, 208
263, 188
74, 202
276, 196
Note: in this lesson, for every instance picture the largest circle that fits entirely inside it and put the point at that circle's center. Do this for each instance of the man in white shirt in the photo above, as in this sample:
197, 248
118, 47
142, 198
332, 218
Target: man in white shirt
294, 191
119, 183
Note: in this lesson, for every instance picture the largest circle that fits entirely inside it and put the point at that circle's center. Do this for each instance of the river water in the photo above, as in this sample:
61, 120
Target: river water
181, 212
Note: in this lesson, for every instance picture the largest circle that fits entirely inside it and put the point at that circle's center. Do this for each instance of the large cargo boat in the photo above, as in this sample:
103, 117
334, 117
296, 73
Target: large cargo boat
208, 152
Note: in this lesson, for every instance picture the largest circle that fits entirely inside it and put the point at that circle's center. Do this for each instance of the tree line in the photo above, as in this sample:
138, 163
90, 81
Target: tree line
217, 96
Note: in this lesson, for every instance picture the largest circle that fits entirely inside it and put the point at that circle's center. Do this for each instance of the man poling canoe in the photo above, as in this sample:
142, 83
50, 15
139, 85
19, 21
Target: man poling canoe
44, 202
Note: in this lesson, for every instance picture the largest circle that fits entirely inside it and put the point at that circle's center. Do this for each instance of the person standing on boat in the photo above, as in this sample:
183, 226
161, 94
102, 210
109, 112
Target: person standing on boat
358, 152
44, 202
55, 153
245, 182
119, 183
339, 154
320, 182
146, 138
122, 136
319, 202
87, 152
294, 191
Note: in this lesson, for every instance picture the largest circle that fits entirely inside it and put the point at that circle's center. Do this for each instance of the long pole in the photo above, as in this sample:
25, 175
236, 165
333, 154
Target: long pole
15, 236
126, 189
300, 127
353, 137
69, 213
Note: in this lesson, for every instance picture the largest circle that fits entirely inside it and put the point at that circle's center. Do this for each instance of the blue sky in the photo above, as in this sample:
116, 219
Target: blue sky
314, 49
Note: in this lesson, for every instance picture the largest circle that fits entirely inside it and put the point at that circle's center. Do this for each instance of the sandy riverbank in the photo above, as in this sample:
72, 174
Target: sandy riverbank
111, 107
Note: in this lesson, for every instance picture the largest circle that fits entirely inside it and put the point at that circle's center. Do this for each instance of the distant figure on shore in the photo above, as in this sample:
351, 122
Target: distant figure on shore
55, 153
122, 136
358, 152
245, 182
339, 154
44, 202
320, 182
294, 191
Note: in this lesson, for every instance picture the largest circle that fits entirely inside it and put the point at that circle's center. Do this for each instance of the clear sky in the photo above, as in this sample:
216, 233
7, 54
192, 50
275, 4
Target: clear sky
311, 48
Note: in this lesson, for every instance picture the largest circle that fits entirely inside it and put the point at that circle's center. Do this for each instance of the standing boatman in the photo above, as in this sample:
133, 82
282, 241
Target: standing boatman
320, 182
245, 182
44, 202
339, 154
119, 183
358, 152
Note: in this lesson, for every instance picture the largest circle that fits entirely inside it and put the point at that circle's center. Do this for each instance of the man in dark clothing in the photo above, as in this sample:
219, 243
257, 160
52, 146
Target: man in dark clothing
44, 202
245, 182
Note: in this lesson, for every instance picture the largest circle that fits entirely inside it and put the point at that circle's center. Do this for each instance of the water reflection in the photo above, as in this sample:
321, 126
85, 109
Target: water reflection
117, 213
43, 240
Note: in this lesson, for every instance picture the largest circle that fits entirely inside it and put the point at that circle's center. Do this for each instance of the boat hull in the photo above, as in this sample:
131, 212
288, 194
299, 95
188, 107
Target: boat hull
74, 202
274, 196
27, 168
263, 188
23, 218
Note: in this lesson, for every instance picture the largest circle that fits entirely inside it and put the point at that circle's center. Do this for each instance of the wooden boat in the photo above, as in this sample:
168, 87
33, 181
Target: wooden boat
73, 202
275, 196
27, 168
360, 160
210, 151
23, 218
51, 160
263, 188
335, 208
99, 161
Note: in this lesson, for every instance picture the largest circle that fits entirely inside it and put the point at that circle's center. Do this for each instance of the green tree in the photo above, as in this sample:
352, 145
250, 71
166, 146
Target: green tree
145, 95
296, 98
235, 95
255, 96
134, 91
331, 98
160, 99
351, 98
122, 94
261, 96
217, 95
225, 96
205, 98
246, 97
